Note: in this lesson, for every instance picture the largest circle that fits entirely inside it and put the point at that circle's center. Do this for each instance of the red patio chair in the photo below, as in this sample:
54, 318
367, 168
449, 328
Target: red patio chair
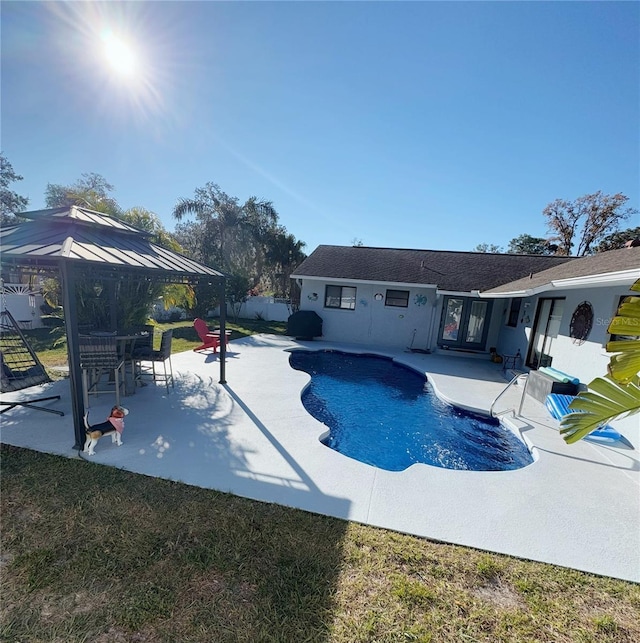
209, 339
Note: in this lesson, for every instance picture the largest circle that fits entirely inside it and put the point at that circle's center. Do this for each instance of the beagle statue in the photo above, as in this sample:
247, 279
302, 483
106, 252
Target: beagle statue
113, 426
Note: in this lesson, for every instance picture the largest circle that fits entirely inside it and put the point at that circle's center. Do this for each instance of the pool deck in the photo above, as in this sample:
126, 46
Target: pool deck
576, 506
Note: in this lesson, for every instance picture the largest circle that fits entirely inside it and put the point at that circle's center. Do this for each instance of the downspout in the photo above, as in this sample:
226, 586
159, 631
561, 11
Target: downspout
433, 316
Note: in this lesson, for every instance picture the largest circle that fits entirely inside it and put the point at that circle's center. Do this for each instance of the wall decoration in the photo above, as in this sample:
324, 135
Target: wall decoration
420, 300
313, 296
364, 302
581, 323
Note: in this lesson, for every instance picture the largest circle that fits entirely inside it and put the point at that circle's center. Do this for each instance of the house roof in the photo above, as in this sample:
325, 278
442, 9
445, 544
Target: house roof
605, 268
448, 270
94, 240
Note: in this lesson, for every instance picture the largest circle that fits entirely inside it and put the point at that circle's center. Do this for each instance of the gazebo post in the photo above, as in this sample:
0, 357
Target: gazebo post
75, 372
223, 326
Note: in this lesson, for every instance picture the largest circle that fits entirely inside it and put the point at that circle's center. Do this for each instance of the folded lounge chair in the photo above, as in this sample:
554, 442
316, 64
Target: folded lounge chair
558, 405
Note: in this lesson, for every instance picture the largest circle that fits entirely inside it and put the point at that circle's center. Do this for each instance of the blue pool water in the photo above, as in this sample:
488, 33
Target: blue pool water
387, 415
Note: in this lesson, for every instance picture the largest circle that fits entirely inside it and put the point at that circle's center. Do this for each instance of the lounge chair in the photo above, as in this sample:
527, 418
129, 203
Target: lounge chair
210, 338
558, 405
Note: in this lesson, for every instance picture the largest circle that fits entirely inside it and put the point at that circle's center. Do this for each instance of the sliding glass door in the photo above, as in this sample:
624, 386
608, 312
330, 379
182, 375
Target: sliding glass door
545, 331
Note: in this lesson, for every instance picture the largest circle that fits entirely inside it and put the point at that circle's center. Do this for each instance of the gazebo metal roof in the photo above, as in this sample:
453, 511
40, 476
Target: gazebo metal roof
72, 239
87, 237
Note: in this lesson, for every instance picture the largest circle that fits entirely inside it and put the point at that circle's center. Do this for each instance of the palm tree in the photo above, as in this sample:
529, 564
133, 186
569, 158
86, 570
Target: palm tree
618, 393
285, 254
224, 222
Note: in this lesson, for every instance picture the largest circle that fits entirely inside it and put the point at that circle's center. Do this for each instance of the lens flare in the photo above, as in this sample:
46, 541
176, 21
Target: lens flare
120, 57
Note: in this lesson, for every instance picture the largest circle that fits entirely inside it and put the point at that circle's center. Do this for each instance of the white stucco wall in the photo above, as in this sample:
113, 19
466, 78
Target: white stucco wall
372, 322
509, 340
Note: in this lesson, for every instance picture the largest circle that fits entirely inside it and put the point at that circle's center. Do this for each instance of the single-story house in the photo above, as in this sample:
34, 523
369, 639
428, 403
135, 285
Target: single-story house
545, 309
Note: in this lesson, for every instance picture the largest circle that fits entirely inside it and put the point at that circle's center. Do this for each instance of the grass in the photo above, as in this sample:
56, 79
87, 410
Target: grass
96, 554
184, 338
93, 553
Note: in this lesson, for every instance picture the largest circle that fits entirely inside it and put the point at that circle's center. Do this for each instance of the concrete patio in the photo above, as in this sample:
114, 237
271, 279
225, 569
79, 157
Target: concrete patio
576, 506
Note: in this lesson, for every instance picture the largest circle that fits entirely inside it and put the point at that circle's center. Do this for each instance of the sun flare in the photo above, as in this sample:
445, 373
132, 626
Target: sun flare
120, 57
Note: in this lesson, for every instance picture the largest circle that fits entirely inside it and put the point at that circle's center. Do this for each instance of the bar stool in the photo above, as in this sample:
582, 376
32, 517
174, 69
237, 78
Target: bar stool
163, 355
99, 357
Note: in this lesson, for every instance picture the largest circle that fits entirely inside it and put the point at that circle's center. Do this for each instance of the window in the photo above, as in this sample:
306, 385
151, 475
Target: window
397, 298
514, 312
340, 297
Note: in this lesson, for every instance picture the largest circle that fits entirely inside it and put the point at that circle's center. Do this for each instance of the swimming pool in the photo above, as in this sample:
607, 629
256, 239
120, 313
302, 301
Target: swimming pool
387, 415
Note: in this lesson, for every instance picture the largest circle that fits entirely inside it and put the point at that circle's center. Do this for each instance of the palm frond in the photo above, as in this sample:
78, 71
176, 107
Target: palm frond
624, 365
187, 206
605, 400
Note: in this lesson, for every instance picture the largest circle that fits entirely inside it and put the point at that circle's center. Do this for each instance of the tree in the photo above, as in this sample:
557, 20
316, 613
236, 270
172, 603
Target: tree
285, 254
90, 191
525, 244
150, 222
617, 240
243, 240
236, 293
10, 202
618, 393
218, 215
582, 223
487, 247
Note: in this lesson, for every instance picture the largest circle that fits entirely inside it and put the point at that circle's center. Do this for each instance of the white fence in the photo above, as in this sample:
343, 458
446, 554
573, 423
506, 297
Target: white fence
23, 304
267, 308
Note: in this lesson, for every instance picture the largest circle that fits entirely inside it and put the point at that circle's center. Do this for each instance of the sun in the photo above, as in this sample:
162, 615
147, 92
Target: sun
120, 56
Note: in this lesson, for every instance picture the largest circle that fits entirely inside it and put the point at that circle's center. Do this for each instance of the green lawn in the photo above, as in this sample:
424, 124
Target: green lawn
184, 337
96, 554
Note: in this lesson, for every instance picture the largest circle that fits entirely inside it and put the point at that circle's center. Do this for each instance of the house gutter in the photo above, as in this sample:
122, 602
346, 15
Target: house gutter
620, 278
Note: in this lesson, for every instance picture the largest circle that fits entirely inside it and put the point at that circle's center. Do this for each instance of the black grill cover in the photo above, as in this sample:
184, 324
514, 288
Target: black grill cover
305, 324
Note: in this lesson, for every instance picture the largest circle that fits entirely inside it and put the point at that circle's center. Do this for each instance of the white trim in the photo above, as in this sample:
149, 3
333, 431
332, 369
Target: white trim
458, 293
620, 278
607, 279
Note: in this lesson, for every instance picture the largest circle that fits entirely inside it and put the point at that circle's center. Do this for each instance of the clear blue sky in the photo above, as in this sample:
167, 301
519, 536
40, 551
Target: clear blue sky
405, 124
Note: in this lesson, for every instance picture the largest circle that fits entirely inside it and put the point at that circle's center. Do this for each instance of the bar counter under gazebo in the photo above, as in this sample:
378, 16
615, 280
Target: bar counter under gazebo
75, 241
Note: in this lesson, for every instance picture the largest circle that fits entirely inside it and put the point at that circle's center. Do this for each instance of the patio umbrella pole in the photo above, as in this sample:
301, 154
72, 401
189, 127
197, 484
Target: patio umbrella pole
75, 374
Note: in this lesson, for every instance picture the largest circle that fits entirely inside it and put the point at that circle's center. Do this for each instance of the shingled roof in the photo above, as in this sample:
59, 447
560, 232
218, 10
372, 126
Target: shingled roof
605, 267
448, 270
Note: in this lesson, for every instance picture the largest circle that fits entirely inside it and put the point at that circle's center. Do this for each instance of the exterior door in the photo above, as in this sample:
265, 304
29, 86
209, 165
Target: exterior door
545, 332
464, 322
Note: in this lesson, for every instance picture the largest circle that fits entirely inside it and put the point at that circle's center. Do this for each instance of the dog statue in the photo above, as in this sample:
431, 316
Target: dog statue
113, 426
